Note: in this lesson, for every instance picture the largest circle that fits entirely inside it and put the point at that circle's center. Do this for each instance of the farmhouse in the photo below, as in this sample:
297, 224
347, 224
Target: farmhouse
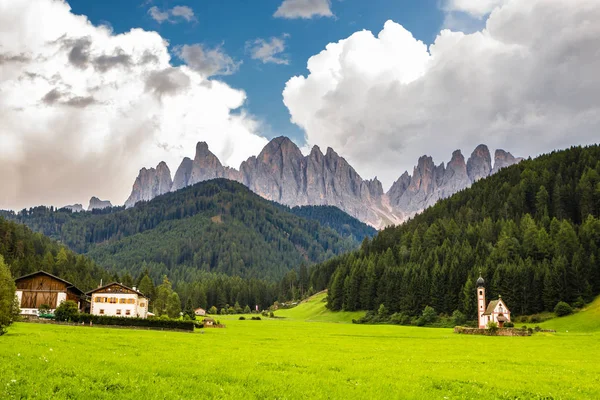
41, 287
208, 322
496, 311
118, 300
200, 311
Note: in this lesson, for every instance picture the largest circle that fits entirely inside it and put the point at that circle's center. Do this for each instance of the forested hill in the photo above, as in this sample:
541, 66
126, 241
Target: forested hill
336, 219
214, 226
533, 230
25, 252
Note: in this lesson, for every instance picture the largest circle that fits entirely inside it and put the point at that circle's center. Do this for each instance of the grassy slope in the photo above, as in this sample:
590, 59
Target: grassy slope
587, 320
313, 309
293, 360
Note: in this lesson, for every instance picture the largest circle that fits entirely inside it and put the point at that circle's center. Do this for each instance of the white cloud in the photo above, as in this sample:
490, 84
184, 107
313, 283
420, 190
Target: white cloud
304, 9
528, 83
208, 62
173, 15
268, 51
475, 8
82, 109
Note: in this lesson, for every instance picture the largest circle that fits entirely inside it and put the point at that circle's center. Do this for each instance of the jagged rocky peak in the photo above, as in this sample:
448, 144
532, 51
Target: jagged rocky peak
150, 183
479, 164
182, 175
503, 159
75, 207
205, 165
375, 187
97, 204
398, 188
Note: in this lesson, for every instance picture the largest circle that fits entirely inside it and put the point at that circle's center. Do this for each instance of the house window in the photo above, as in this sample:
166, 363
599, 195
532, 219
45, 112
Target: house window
105, 299
131, 301
113, 300
101, 311
122, 301
98, 299
127, 312
142, 304
118, 312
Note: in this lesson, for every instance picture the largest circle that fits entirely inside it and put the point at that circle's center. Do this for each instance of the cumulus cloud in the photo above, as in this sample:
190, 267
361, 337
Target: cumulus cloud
527, 82
82, 109
476, 8
268, 50
306, 9
206, 61
173, 15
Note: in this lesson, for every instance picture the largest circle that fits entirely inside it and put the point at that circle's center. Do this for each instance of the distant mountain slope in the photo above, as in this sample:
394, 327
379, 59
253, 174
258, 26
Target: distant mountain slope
283, 174
532, 230
337, 220
215, 226
25, 252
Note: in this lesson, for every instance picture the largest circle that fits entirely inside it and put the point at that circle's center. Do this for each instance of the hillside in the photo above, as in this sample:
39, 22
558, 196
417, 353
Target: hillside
532, 230
25, 252
216, 226
314, 309
337, 220
585, 321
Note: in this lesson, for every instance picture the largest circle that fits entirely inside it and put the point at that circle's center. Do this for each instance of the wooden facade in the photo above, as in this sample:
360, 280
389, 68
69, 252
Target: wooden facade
44, 288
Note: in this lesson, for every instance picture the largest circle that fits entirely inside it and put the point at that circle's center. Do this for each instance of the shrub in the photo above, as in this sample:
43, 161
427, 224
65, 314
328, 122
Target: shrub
212, 310
428, 317
579, 303
509, 325
162, 323
256, 318
535, 319
383, 311
271, 315
537, 329
492, 326
458, 318
563, 309
242, 318
66, 311
44, 309
247, 309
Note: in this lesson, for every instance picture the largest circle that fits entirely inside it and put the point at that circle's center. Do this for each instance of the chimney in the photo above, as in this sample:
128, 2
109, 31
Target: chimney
100, 283
134, 288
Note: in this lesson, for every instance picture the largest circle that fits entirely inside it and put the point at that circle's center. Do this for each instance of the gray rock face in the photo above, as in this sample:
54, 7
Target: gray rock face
281, 173
97, 204
75, 207
503, 159
479, 164
150, 183
182, 176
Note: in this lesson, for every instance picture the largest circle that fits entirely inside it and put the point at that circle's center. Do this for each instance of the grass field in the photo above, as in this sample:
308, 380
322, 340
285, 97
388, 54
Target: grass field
313, 310
292, 359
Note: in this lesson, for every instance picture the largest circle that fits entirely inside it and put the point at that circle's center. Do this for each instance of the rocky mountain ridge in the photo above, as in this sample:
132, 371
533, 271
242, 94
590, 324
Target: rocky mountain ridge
283, 174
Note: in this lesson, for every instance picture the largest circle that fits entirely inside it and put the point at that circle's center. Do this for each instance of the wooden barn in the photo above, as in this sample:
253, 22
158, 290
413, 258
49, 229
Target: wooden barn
41, 287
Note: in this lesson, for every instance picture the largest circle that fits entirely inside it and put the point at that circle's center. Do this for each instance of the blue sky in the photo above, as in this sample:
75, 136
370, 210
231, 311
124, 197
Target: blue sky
231, 23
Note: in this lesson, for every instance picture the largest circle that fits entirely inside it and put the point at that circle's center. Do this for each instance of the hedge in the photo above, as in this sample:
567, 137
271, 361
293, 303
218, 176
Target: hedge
124, 321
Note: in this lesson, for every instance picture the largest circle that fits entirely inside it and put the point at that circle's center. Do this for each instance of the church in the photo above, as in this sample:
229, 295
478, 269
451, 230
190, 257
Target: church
496, 311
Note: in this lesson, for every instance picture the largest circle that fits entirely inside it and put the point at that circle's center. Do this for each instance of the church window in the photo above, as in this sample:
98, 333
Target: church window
481, 292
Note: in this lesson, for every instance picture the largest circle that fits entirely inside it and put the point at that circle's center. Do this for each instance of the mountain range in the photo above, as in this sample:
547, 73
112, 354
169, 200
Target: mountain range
281, 173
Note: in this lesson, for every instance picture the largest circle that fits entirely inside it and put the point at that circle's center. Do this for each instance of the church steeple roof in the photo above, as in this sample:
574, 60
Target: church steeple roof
480, 282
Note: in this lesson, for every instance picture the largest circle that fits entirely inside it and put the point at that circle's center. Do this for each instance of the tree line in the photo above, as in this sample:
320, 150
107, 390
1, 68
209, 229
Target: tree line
532, 231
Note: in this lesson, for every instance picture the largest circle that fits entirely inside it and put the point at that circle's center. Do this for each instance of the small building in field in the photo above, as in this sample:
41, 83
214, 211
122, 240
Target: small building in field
200, 312
41, 287
118, 300
208, 322
496, 311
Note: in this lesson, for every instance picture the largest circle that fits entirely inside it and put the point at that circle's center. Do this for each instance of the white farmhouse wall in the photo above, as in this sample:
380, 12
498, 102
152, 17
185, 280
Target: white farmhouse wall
110, 309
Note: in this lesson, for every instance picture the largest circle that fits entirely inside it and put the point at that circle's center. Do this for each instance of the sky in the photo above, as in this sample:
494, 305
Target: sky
90, 91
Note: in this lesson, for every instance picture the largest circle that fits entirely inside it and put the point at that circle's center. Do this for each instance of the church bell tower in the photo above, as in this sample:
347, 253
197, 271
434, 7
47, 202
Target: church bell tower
481, 302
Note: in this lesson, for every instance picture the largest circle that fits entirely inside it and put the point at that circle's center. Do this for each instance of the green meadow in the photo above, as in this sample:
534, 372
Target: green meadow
292, 358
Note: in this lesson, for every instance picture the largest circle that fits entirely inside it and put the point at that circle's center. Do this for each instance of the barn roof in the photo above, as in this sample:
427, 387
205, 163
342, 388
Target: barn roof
118, 284
69, 284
